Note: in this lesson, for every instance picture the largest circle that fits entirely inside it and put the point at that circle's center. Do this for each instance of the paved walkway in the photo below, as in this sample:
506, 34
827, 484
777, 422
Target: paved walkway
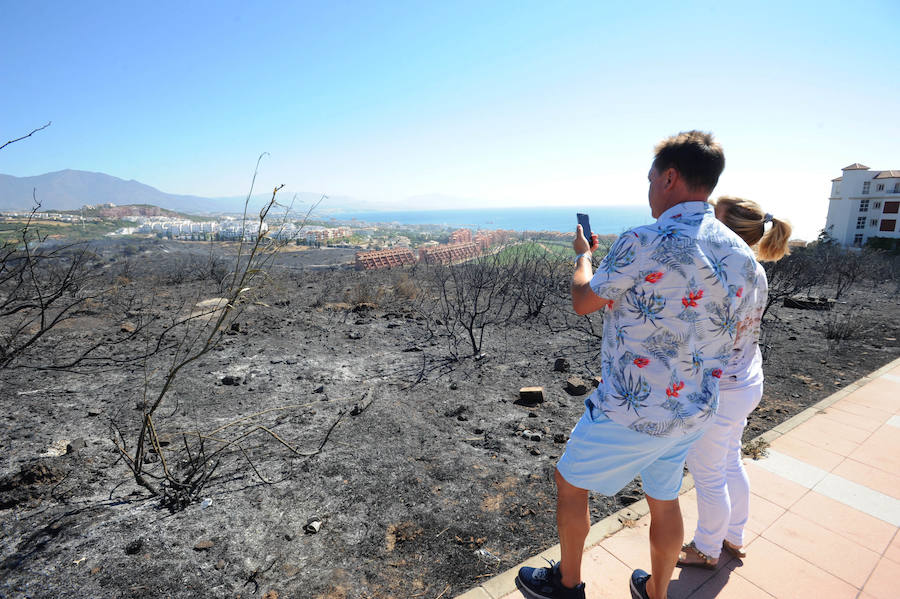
824, 513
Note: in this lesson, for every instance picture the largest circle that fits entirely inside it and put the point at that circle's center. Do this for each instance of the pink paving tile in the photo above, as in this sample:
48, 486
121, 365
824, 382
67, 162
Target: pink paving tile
881, 394
866, 422
881, 450
830, 435
870, 532
787, 576
875, 478
883, 582
821, 547
776, 489
631, 545
893, 551
605, 577
888, 435
849, 407
762, 514
807, 452
685, 581
896, 371
729, 584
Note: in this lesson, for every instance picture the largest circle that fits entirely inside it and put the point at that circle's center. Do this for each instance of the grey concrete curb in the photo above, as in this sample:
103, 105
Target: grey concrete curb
504, 584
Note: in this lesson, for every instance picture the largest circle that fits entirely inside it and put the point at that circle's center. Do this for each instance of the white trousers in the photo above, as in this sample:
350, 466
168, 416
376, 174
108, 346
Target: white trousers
723, 489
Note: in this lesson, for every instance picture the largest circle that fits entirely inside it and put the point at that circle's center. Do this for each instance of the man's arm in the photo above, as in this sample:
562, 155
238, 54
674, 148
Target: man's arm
584, 300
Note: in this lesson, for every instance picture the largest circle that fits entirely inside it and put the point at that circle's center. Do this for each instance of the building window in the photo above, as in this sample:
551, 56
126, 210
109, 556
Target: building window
861, 222
896, 187
857, 239
879, 187
888, 225
876, 205
864, 204
891, 207
873, 222
866, 187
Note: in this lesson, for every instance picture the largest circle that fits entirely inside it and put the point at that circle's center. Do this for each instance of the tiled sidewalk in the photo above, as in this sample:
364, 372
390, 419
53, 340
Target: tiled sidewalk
824, 513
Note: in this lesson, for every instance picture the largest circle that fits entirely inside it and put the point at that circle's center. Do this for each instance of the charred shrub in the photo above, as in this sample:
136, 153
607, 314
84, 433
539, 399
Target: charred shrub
405, 288
843, 325
365, 291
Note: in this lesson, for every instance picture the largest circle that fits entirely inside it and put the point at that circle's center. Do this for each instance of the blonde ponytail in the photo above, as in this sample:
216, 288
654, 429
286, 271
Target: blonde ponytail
774, 244
748, 220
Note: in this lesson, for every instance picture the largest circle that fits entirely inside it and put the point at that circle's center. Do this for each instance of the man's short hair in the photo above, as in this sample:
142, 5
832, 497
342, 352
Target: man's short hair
697, 157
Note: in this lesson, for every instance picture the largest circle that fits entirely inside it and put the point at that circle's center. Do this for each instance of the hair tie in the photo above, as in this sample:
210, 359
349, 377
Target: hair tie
768, 218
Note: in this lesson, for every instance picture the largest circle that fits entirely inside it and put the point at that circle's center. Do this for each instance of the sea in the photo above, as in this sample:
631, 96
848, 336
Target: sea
604, 219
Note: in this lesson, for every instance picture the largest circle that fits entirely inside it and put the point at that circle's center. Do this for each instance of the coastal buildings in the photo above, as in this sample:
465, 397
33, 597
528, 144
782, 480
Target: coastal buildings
863, 204
317, 234
461, 236
463, 246
449, 253
384, 259
428, 254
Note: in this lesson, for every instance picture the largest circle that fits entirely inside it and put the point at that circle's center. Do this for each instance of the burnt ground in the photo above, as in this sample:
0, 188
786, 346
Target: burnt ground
427, 474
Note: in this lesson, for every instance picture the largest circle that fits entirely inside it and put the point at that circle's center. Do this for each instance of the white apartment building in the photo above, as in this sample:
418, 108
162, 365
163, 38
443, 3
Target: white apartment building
863, 204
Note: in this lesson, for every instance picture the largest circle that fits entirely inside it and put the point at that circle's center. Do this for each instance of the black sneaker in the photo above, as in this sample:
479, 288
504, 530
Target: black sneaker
639, 580
544, 583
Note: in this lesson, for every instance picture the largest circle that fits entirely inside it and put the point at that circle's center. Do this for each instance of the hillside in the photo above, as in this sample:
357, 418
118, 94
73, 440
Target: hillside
397, 471
70, 189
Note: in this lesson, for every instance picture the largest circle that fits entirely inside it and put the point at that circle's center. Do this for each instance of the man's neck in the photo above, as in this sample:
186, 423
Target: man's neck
683, 199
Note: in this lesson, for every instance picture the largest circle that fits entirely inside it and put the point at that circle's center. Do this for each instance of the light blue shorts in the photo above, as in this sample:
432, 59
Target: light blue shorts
603, 456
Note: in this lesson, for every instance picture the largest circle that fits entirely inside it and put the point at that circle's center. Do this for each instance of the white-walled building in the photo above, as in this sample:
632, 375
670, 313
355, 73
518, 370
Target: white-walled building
863, 204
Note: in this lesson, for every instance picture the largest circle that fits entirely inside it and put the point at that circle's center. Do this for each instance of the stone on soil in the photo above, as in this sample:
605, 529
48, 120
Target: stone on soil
561, 365
531, 395
575, 385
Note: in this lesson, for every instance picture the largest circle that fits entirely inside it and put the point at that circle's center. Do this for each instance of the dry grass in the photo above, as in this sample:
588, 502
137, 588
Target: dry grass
839, 326
405, 288
364, 292
400, 532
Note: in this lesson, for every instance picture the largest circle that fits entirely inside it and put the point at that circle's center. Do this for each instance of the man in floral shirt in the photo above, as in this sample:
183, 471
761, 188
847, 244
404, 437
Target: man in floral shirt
673, 294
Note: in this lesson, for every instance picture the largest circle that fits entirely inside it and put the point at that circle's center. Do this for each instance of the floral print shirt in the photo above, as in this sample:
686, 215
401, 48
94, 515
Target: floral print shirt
680, 288
745, 367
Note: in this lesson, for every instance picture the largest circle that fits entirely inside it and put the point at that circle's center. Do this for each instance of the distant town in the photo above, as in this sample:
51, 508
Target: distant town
379, 245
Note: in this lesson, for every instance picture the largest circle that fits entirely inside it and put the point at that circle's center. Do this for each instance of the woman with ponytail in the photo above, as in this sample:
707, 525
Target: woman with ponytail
723, 489
749, 221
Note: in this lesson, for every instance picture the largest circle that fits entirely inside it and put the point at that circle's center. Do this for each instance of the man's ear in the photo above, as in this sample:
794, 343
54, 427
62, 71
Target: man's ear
670, 178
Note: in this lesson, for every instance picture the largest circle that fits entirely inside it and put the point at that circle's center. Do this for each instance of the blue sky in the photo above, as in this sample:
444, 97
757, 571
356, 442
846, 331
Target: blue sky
489, 103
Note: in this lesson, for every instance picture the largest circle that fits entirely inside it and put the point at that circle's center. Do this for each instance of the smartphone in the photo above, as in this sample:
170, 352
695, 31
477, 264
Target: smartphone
585, 223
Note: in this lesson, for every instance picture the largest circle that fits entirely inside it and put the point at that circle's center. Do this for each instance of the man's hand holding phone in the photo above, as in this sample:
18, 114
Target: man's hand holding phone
584, 300
582, 234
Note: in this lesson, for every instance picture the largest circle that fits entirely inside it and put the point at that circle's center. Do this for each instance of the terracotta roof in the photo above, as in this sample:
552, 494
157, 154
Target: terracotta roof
855, 167
888, 175
838, 179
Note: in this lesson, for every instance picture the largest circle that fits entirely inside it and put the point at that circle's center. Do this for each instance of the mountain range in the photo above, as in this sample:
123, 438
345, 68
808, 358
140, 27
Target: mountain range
71, 189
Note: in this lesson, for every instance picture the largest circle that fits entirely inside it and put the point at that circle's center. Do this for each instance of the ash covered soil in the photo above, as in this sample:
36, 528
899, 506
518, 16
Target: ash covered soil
374, 465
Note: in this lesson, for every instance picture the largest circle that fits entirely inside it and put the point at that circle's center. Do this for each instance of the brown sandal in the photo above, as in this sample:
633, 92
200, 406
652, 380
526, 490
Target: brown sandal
700, 559
734, 550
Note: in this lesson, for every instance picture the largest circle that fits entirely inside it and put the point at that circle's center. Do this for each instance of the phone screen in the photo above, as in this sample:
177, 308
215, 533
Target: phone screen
585, 223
